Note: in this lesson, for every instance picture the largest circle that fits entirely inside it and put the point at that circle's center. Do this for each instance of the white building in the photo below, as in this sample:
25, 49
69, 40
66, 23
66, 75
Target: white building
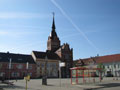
109, 63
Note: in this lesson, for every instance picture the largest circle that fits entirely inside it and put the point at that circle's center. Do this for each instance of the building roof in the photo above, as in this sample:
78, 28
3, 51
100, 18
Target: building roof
16, 58
85, 61
100, 59
108, 58
53, 33
50, 55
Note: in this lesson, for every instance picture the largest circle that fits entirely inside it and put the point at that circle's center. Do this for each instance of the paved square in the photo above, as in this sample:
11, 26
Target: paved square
54, 84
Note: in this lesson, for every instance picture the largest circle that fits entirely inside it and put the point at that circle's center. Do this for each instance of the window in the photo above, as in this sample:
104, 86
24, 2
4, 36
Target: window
118, 66
2, 74
68, 64
103, 67
30, 66
0, 66
10, 66
20, 66
66, 56
15, 74
42, 65
114, 65
38, 64
48, 65
19, 59
53, 65
30, 74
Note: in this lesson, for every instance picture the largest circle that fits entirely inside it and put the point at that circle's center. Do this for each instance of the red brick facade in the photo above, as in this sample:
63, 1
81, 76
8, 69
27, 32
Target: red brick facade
18, 70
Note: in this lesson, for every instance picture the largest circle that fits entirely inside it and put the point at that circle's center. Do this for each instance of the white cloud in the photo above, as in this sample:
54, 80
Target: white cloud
3, 33
17, 33
10, 34
11, 15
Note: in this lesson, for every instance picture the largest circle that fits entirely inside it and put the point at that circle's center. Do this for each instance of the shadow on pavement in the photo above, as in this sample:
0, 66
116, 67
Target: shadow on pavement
50, 85
11, 87
109, 85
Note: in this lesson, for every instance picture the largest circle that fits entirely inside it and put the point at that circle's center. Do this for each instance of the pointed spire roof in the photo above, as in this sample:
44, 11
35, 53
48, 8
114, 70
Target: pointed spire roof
53, 33
53, 24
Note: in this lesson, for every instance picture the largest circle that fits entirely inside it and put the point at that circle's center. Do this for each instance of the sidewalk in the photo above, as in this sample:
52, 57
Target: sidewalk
54, 84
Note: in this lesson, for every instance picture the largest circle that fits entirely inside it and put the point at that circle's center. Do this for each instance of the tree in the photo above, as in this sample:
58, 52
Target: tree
102, 67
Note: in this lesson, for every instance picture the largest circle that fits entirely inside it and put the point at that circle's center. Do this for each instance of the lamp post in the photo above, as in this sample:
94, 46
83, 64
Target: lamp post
60, 73
61, 64
10, 60
27, 66
44, 77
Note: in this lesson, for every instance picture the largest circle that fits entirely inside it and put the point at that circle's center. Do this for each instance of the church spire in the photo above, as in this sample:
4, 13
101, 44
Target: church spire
53, 24
53, 33
53, 42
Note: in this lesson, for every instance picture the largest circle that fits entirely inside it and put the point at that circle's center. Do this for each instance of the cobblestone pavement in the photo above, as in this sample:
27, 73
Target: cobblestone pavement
54, 84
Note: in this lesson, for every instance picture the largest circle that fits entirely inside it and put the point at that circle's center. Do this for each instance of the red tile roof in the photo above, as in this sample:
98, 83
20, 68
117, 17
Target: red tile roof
101, 59
108, 58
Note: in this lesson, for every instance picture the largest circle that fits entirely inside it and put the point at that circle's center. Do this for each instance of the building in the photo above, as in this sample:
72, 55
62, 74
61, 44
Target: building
110, 64
66, 55
55, 53
15, 66
63, 51
52, 60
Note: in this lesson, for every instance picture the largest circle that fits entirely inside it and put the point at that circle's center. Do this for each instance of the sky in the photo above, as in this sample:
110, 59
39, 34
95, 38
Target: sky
90, 27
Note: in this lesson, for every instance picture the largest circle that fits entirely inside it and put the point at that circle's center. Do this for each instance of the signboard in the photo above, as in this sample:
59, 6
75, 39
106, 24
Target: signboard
61, 64
27, 78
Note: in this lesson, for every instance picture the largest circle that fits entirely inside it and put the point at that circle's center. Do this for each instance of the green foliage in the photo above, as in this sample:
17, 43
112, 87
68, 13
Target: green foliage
100, 65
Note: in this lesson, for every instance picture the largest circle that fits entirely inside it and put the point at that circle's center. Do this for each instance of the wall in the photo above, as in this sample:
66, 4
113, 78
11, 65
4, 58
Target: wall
52, 67
18, 70
113, 67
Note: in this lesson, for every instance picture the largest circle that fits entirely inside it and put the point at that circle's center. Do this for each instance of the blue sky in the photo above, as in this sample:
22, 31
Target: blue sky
91, 27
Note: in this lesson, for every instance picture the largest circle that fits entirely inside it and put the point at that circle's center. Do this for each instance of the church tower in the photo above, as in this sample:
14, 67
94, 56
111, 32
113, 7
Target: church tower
53, 42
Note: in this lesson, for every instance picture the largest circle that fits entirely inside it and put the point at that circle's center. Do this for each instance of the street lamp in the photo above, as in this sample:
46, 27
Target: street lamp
44, 77
27, 77
10, 60
61, 64
27, 66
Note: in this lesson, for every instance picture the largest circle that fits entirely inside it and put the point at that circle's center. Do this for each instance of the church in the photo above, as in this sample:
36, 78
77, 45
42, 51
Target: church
63, 51
16, 65
55, 52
